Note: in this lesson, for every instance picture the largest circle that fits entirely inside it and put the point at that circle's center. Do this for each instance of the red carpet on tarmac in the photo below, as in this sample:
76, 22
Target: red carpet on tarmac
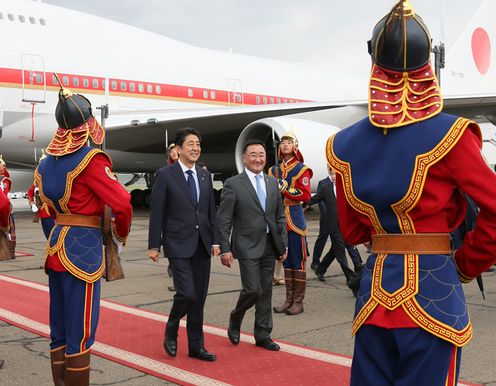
133, 337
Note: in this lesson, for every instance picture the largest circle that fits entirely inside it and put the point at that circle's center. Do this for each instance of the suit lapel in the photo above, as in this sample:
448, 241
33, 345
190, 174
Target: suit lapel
203, 183
178, 174
246, 181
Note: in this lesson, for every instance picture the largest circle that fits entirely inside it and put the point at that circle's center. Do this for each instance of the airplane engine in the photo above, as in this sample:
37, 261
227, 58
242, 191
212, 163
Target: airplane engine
312, 137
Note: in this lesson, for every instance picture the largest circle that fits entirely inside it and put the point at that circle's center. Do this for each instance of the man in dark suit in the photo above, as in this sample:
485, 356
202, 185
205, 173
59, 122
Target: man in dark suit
182, 214
325, 193
251, 212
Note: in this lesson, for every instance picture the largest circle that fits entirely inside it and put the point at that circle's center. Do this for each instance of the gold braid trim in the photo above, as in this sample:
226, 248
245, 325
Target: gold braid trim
344, 170
435, 327
422, 164
290, 223
75, 271
409, 289
363, 315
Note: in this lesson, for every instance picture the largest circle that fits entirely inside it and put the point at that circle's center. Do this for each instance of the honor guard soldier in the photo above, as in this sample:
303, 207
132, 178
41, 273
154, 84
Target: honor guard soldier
5, 186
294, 182
402, 174
76, 181
4, 228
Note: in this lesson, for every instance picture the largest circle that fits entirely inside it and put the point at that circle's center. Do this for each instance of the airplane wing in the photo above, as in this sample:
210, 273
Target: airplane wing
147, 131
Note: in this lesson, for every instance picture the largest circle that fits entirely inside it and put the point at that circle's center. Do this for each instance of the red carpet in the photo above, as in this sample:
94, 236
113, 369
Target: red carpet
133, 337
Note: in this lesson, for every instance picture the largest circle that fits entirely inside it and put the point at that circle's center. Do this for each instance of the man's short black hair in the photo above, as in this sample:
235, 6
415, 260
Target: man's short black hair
253, 142
183, 133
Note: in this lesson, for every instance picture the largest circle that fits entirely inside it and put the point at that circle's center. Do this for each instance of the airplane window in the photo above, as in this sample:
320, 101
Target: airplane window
264, 100
54, 80
278, 100
22, 18
158, 89
32, 20
39, 78
271, 101
123, 86
86, 82
238, 98
190, 92
113, 84
212, 94
103, 84
258, 99
75, 81
141, 87
11, 17
132, 87
205, 94
149, 88
42, 21
94, 83
65, 80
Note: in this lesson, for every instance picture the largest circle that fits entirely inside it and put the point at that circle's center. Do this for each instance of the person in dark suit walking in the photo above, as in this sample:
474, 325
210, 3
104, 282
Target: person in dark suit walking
251, 212
325, 193
182, 214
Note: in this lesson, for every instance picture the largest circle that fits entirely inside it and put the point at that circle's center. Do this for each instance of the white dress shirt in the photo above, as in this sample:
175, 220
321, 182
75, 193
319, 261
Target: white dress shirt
195, 177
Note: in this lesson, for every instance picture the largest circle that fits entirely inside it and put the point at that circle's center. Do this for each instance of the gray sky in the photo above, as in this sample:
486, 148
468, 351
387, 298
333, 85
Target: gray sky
326, 33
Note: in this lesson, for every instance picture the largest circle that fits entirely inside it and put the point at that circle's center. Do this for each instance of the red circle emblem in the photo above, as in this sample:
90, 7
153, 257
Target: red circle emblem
481, 50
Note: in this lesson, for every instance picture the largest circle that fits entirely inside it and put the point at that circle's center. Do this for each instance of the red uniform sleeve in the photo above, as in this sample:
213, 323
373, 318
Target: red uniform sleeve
354, 226
30, 194
301, 190
4, 212
6, 185
112, 193
475, 178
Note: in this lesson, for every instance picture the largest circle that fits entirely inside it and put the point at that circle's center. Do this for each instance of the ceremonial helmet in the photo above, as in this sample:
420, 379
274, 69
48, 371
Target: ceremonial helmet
76, 124
3, 168
403, 87
292, 137
400, 40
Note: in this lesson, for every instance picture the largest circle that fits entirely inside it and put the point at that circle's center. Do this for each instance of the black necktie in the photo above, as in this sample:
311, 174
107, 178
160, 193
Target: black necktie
192, 185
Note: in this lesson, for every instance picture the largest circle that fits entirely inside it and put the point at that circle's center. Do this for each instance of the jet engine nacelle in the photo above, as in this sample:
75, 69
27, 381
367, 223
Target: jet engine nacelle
312, 137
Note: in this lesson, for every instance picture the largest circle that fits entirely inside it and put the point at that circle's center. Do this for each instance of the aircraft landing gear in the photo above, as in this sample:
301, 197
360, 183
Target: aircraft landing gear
141, 198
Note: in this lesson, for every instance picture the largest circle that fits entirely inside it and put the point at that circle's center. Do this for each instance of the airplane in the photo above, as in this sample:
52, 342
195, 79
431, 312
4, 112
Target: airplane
144, 87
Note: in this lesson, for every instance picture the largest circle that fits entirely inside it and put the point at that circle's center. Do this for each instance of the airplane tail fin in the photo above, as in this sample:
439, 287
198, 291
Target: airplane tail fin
470, 64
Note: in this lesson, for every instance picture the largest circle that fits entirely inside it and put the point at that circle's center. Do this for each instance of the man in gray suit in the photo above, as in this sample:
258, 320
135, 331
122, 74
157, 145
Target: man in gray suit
251, 207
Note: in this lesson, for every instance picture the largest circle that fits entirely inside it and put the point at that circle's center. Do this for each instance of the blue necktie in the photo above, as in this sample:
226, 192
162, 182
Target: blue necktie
192, 185
260, 192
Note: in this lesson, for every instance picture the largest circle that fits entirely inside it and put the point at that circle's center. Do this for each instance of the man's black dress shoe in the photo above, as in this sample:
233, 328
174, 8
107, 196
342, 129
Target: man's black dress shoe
202, 354
268, 344
314, 266
320, 276
170, 346
233, 333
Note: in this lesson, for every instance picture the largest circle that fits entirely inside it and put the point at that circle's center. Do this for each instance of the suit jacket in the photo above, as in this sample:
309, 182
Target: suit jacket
174, 216
325, 193
241, 213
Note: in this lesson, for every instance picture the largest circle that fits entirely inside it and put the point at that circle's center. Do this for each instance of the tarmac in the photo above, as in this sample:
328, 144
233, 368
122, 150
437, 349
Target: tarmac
325, 324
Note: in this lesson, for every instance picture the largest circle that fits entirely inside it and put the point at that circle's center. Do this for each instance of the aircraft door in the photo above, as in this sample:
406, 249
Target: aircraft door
33, 78
235, 91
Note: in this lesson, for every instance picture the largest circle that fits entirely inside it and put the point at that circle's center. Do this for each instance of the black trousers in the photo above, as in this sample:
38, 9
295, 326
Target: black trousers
191, 277
337, 252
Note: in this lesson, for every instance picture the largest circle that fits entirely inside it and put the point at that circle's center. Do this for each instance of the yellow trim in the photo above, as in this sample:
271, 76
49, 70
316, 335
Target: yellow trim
458, 337
60, 241
63, 202
422, 164
77, 354
410, 287
87, 333
75, 271
290, 223
344, 170
363, 315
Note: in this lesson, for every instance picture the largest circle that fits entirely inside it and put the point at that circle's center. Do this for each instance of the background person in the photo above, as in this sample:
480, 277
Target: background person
251, 220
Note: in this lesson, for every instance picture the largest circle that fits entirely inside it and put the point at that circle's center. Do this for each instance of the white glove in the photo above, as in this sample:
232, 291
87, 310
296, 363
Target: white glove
34, 208
118, 243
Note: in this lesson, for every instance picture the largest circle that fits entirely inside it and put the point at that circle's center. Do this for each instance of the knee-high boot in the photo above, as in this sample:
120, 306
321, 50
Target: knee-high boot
290, 288
78, 369
299, 293
57, 359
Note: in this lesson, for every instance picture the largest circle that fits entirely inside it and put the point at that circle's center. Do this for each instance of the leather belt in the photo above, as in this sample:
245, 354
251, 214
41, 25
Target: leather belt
418, 243
78, 220
288, 202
